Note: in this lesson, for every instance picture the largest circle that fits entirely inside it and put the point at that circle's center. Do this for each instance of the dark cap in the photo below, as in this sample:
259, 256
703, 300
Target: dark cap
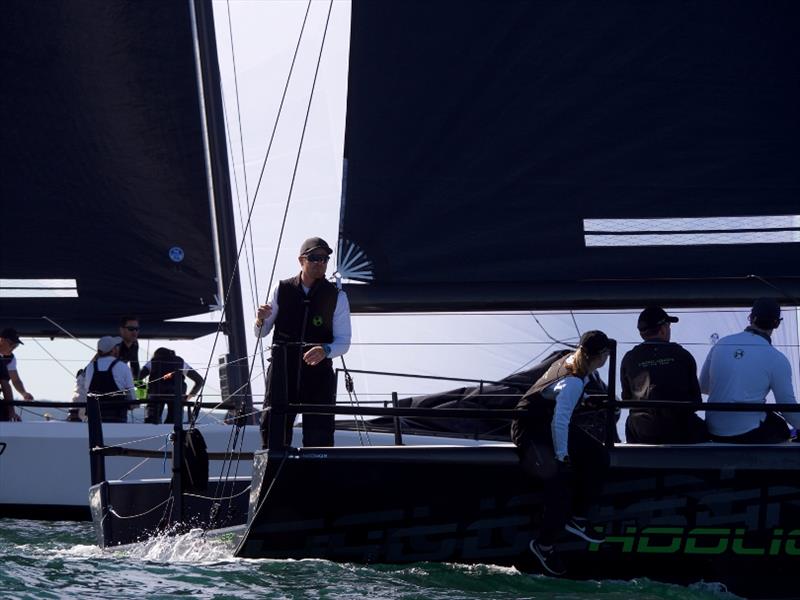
652, 317
594, 342
767, 309
10, 334
314, 243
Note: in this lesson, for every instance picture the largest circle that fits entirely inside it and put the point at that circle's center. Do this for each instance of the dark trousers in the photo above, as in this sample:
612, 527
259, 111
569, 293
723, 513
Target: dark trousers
568, 490
315, 385
664, 427
773, 430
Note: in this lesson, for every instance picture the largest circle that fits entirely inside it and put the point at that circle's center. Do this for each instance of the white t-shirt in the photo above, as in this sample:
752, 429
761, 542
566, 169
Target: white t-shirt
567, 393
744, 367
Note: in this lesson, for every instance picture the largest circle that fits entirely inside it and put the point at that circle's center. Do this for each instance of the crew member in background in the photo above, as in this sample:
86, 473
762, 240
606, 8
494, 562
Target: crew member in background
744, 367
129, 348
160, 371
311, 318
7, 412
570, 463
9, 340
110, 378
661, 370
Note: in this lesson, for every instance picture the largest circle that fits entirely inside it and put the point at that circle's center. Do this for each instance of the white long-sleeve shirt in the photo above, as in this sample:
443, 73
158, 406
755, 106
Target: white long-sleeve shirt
567, 393
342, 332
121, 373
744, 367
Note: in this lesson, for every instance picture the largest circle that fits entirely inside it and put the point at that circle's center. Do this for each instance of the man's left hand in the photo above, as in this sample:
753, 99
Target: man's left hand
314, 356
28, 396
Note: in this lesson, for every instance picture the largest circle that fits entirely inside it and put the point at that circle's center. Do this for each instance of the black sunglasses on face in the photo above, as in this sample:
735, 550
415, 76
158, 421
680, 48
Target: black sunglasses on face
131, 328
318, 258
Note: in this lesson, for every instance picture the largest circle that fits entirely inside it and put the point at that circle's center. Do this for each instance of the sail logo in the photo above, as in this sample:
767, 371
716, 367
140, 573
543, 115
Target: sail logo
354, 265
702, 540
695, 231
38, 288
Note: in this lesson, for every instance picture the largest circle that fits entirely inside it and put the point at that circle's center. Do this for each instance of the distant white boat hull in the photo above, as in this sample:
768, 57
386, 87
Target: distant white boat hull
44, 465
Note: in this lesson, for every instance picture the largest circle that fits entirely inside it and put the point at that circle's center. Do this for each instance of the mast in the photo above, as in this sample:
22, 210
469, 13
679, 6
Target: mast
237, 363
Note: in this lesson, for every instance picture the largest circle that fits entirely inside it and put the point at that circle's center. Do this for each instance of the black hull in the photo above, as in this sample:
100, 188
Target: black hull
684, 514
128, 512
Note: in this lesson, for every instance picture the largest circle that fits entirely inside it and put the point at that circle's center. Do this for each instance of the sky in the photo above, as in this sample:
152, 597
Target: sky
261, 36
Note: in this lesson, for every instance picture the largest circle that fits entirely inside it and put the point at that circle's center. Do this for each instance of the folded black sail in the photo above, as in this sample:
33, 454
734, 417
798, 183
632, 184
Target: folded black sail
105, 202
512, 155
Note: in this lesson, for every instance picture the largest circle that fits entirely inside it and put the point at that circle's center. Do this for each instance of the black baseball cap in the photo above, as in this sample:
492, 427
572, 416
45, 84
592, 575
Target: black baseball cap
594, 342
767, 309
314, 243
10, 334
652, 317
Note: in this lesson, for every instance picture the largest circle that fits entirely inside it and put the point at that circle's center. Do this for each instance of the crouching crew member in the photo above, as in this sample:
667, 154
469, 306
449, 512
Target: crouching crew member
160, 371
311, 317
570, 463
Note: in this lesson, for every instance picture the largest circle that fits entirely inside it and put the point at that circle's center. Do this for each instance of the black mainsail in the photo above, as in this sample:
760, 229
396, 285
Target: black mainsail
650, 148
535, 155
105, 190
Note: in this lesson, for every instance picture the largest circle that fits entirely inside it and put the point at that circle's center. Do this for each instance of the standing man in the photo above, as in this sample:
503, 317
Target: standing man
744, 367
661, 370
7, 412
9, 340
110, 379
311, 317
129, 348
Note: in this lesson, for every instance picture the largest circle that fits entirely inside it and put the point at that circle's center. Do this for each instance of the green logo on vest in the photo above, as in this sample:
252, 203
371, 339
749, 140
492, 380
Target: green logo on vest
317, 321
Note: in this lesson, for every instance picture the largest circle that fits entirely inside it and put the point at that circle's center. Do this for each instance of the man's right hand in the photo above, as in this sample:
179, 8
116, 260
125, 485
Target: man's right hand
263, 312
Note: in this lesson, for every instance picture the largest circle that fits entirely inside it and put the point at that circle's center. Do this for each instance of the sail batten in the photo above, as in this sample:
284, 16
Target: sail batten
567, 155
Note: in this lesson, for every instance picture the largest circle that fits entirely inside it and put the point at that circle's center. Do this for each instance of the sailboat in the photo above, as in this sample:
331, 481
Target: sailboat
537, 156
116, 202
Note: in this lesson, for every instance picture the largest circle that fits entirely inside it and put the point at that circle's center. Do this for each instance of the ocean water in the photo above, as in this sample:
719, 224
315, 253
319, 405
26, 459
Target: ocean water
60, 560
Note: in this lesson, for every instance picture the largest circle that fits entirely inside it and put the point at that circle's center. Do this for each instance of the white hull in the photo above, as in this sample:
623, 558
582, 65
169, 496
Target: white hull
44, 465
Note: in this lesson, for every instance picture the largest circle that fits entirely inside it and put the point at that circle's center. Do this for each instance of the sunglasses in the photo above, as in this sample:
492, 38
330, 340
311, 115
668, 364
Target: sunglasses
318, 258
132, 328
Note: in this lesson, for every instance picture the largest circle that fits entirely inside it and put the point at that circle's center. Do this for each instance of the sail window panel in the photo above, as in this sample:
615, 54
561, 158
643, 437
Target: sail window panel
779, 229
38, 288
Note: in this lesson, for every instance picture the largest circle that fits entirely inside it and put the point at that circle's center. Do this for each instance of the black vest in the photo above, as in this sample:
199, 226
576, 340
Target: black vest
305, 318
159, 388
103, 383
541, 409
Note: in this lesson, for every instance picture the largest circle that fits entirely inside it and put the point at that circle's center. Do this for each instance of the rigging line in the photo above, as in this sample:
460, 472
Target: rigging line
557, 341
255, 195
241, 140
247, 254
57, 361
300, 145
358, 419
297, 157
48, 319
575, 322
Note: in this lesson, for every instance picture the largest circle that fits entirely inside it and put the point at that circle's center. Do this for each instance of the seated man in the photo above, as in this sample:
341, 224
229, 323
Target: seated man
744, 367
659, 369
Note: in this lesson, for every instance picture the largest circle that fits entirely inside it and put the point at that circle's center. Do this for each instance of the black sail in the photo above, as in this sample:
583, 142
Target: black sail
515, 155
104, 182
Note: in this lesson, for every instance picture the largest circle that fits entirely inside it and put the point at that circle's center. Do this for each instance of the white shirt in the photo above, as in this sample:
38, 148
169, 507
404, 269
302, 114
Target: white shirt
567, 393
121, 373
342, 332
744, 367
